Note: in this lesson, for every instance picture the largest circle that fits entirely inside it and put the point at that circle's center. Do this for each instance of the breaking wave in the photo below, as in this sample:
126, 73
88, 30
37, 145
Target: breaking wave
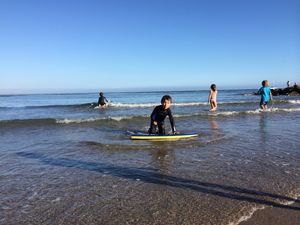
48, 121
149, 105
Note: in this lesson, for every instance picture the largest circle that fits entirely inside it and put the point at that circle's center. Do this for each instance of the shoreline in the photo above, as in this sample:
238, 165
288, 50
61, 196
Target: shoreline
274, 216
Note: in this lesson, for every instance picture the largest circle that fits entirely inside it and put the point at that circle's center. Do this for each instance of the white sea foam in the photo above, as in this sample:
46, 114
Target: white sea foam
190, 104
290, 110
295, 196
179, 104
132, 105
56, 200
119, 118
248, 216
222, 113
68, 121
272, 109
202, 113
186, 115
148, 105
227, 113
294, 101
256, 111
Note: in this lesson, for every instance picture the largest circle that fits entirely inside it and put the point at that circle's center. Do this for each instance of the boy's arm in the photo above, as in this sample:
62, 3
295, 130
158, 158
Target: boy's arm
271, 96
259, 91
153, 114
171, 118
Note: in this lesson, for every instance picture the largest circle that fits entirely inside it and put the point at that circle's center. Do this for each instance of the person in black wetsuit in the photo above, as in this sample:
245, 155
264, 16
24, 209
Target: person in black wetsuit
159, 114
102, 101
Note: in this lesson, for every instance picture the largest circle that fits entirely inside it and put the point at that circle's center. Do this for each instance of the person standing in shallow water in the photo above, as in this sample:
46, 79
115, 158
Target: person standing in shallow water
212, 97
102, 101
266, 95
159, 114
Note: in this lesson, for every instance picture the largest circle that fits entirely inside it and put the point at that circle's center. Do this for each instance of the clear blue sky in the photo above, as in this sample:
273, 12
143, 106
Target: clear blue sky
107, 44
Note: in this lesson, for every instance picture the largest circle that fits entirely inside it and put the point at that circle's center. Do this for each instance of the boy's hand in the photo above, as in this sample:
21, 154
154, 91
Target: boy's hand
155, 123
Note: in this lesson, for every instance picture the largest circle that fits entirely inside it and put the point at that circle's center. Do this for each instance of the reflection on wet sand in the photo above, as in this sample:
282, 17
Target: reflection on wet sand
213, 124
149, 175
263, 125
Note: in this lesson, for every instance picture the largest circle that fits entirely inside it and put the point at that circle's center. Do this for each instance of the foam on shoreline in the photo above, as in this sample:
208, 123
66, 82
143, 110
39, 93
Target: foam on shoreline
253, 210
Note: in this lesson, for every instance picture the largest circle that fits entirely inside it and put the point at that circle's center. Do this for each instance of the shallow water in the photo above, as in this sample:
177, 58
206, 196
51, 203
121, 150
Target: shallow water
59, 168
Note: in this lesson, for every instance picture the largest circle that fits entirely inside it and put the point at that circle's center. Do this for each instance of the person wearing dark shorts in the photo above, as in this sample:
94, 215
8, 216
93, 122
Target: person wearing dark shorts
102, 101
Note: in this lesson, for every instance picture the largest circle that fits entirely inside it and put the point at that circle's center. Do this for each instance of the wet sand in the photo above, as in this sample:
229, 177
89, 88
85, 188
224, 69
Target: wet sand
275, 216
62, 190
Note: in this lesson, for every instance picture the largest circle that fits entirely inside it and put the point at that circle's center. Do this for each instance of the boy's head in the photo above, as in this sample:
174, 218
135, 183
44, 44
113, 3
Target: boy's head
166, 101
265, 83
101, 93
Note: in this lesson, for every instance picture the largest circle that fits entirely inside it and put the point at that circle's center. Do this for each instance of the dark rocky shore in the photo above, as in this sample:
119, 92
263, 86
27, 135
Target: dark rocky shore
291, 91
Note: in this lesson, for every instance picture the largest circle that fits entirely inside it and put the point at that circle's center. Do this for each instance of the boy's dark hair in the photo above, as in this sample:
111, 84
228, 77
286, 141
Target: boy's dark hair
101, 93
213, 87
166, 97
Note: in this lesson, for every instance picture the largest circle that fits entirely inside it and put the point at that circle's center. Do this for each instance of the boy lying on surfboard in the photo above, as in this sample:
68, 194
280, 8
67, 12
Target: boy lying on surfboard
158, 116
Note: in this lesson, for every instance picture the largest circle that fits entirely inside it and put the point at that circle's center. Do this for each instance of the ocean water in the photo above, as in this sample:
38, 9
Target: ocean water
63, 161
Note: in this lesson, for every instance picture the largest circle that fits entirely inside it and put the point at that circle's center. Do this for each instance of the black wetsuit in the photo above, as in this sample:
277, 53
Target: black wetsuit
159, 114
102, 100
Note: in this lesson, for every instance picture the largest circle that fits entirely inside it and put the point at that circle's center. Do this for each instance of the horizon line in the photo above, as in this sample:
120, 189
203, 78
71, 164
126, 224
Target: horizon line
112, 90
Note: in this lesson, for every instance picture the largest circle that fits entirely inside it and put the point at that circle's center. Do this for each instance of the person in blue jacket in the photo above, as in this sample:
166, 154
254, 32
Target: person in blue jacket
266, 95
159, 114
